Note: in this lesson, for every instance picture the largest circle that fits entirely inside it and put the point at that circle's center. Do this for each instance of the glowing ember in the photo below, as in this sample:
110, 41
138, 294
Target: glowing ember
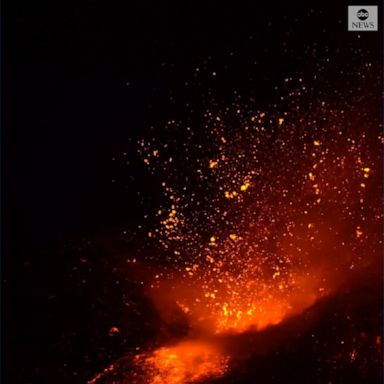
277, 220
271, 230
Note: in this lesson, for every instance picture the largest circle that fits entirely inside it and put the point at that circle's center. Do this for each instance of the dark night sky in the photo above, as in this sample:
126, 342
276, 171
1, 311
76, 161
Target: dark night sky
80, 80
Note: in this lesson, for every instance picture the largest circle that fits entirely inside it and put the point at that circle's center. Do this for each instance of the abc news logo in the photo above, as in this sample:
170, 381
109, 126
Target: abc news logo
362, 18
362, 14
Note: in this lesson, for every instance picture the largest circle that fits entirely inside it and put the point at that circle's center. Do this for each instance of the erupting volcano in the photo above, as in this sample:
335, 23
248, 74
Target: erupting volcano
264, 214
193, 193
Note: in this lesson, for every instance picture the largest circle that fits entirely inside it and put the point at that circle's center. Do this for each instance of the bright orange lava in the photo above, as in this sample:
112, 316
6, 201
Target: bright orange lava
186, 362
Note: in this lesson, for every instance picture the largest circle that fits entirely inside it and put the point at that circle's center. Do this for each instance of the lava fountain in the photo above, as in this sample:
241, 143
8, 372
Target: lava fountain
263, 215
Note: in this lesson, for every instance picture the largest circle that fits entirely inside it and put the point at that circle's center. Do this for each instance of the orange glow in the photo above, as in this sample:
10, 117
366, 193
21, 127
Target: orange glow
232, 307
186, 362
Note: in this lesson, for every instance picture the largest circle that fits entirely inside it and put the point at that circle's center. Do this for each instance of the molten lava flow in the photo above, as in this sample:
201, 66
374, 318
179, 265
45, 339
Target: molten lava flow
186, 362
